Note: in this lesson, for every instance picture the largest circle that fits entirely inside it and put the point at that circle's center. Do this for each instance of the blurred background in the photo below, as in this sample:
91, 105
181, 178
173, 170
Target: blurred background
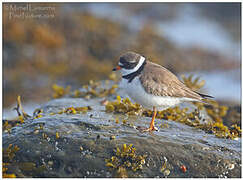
71, 43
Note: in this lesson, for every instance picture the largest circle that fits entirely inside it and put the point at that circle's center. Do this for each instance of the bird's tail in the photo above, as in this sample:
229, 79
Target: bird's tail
204, 96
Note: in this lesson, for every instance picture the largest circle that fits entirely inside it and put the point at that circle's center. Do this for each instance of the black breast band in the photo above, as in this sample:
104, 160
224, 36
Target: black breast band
131, 76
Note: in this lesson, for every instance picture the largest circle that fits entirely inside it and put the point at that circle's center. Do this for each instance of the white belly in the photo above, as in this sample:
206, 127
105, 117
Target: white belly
139, 95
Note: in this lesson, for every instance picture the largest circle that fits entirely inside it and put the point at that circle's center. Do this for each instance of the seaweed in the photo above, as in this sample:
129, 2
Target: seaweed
125, 159
91, 90
8, 156
193, 84
123, 106
4, 171
22, 116
10, 151
60, 91
74, 110
215, 112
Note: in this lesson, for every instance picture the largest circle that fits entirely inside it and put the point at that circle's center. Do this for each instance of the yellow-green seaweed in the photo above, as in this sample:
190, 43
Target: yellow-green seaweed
124, 159
215, 111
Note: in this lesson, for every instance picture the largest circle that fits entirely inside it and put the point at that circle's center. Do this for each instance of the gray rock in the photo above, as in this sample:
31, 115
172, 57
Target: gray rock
85, 143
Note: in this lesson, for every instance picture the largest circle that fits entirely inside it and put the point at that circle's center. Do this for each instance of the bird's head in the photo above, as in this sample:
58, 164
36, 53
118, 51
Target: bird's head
129, 62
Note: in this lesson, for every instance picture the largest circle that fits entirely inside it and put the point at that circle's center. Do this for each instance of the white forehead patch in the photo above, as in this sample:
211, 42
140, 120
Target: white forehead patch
132, 61
129, 71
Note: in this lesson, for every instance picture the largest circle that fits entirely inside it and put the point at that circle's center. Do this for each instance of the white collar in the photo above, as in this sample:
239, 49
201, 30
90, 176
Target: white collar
129, 71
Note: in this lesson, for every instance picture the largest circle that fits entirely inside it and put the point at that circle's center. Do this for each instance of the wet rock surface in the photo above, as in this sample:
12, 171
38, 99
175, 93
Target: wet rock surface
78, 145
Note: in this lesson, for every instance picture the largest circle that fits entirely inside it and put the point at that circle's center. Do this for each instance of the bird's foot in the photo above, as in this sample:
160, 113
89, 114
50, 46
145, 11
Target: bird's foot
150, 129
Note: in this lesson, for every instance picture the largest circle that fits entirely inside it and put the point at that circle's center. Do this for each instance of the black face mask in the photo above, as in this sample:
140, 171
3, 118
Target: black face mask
127, 65
131, 76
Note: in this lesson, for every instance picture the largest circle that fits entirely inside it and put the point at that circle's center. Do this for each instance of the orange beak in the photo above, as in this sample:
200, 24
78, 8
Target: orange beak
116, 68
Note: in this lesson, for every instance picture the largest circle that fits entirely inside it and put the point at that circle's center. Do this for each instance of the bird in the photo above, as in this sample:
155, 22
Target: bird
152, 85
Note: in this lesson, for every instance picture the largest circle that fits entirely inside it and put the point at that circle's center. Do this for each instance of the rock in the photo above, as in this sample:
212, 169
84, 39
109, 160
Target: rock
77, 152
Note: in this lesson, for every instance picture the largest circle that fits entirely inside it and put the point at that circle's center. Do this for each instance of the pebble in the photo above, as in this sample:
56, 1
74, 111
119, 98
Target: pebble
231, 166
36, 131
166, 172
112, 137
50, 163
104, 102
183, 168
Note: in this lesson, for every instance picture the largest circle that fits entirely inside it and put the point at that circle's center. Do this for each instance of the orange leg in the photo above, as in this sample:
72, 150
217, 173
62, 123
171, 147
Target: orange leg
151, 127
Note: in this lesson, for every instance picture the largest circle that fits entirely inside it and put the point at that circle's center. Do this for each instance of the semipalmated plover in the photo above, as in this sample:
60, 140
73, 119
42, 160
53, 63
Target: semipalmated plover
153, 86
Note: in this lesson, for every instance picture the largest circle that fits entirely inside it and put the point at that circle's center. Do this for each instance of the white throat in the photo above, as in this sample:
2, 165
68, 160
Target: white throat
129, 71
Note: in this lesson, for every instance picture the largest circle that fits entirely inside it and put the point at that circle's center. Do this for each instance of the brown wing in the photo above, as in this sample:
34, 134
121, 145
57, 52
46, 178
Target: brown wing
161, 82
